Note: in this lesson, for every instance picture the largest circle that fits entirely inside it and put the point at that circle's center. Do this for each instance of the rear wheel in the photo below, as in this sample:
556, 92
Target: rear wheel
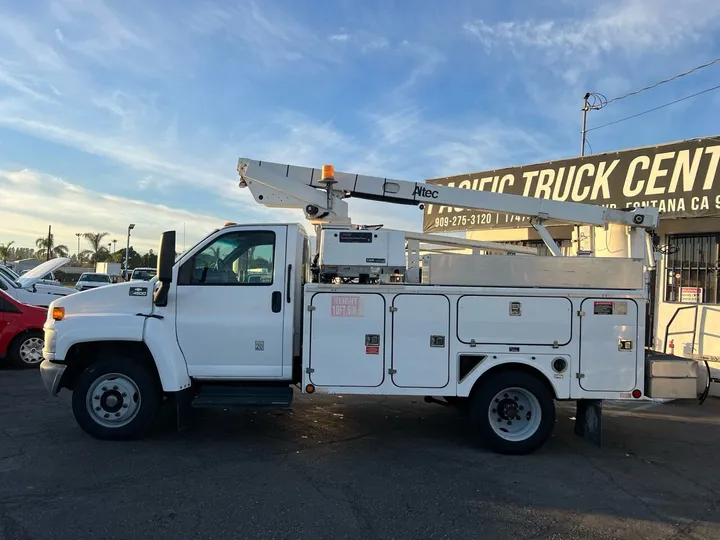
116, 398
513, 412
26, 350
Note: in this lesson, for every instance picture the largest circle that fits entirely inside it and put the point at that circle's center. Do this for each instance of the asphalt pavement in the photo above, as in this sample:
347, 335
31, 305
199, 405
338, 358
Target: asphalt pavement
356, 468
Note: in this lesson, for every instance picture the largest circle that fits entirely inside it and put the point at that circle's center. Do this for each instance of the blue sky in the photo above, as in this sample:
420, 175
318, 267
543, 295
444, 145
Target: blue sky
115, 112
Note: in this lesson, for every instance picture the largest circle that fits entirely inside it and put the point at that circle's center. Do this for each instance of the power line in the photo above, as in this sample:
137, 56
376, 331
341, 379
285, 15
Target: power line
673, 78
655, 108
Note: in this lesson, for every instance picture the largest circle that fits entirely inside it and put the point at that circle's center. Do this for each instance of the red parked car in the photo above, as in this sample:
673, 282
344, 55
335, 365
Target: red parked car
21, 333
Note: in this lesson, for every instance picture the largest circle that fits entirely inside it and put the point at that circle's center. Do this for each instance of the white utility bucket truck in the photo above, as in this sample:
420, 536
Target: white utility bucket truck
249, 313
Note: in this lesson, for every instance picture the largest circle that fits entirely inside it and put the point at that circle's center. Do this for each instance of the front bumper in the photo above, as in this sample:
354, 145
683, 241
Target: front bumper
51, 375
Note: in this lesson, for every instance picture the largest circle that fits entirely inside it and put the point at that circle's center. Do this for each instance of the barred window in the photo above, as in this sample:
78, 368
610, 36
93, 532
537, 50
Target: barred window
692, 269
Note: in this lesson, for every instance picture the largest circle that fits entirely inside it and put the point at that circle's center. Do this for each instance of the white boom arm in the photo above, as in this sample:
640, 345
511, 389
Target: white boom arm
291, 186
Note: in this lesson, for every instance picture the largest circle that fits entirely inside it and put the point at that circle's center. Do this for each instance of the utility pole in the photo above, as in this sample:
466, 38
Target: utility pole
49, 240
127, 250
78, 250
585, 109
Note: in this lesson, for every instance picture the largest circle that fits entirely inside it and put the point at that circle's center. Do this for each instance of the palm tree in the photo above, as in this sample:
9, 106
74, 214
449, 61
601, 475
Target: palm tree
47, 244
96, 240
5, 251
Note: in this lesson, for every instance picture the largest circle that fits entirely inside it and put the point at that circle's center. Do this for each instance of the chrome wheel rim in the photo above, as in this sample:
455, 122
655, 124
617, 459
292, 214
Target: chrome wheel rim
113, 400
31, 350
514, 414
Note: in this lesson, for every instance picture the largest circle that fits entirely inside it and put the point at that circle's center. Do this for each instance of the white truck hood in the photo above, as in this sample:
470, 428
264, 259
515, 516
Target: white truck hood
36, 274
128, 298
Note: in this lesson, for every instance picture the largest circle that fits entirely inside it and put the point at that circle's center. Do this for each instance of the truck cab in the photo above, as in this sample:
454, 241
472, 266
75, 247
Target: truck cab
240, 292
227, 312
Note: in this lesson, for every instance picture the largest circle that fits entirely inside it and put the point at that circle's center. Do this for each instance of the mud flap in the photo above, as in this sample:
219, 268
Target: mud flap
183, 400
588, 420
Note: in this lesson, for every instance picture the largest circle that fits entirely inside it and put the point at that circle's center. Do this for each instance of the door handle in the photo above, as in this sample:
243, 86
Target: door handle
289, 281
276, 301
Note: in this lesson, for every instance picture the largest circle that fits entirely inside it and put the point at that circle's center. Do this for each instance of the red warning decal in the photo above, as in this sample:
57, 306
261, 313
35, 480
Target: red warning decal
372, 349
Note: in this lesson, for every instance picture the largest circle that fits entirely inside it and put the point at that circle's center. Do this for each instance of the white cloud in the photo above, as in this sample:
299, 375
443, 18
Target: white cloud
30, 201
489, 146
428, 59
273, 36
105, 30
136, 156
14, 78
608, 46
59, 35
371, 43
628, 26
32, 48
397, 126
365, 42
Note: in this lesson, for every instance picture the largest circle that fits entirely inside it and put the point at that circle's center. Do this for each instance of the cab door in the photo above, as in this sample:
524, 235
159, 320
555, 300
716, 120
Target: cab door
231, 305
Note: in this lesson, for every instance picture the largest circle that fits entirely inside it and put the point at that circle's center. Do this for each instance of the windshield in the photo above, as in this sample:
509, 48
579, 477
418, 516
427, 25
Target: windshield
95, 278
5, 281
8, 272
145, 274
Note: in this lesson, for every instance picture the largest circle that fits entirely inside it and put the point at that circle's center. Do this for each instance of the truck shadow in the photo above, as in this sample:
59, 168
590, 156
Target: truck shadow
655, 464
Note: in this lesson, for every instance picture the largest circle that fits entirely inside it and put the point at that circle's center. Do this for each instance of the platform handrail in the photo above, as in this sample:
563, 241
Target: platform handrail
672, 319
710, 379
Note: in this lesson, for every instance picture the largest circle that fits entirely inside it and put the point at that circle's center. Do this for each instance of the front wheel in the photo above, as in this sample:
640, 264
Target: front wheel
513, 412
116, 398
26, 350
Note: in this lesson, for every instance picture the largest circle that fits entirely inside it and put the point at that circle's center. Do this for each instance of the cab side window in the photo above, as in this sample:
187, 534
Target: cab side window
236, 258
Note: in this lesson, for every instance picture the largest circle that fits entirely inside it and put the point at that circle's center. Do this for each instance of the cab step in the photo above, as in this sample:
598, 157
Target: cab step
243, 396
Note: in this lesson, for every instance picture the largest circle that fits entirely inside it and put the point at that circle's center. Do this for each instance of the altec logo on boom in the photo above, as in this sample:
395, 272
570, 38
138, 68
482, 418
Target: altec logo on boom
422, 191
680, 179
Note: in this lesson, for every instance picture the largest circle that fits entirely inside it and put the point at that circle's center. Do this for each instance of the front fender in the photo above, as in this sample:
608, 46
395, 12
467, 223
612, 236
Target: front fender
90, 328
160, 340
541, 363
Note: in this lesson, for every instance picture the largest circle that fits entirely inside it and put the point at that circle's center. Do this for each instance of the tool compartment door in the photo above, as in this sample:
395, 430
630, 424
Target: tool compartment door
608, 345
514, 320
347, 339
420, 334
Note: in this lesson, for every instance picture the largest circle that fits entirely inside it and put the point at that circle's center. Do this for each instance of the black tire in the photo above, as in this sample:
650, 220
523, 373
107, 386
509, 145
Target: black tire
484, 395
149, 398
18, 356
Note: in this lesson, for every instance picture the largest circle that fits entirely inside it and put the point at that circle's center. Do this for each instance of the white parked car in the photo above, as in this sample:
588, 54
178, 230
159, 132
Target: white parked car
29, 288
92, 280
143, 274
47, 279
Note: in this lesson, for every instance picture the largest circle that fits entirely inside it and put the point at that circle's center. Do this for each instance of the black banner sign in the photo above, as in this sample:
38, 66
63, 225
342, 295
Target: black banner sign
681, 179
